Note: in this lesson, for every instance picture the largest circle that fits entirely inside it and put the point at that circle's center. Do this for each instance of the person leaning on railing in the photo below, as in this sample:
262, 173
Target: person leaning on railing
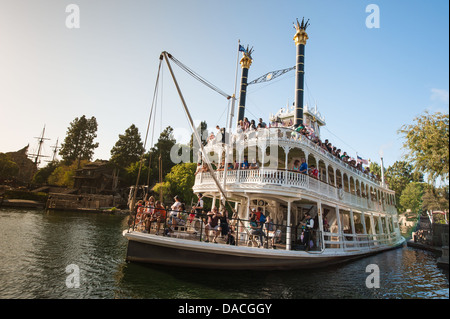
303, 167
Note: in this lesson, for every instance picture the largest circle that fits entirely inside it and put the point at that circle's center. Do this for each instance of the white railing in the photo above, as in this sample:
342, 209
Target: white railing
287, 135
261, 176
358, 241
289, 179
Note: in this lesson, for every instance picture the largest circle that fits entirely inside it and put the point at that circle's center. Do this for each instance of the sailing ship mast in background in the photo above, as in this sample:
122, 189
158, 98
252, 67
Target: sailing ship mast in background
55, 150
38, 155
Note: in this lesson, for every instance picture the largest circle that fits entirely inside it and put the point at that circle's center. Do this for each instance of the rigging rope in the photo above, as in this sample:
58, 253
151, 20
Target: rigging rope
198, 77
145, 143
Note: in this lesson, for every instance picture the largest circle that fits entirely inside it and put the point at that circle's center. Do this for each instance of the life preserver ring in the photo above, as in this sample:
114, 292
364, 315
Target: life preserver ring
341, 193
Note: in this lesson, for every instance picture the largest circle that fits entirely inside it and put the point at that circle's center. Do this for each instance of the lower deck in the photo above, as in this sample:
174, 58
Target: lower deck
282, 241
236, 232
336, 225
164, 250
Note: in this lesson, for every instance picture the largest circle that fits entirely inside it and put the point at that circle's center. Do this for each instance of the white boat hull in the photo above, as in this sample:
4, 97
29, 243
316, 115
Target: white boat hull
161, 250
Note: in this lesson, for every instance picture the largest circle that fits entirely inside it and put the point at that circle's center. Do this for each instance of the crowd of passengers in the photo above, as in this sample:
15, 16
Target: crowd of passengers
300, 130
216, 221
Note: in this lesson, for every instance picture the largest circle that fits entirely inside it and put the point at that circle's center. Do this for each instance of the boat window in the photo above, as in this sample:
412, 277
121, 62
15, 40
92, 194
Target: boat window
346, 185
368, 224
359, 228
345, 222
390, 225
383, 223
338, 178
322, 171
352, 185
376, 219
331, 178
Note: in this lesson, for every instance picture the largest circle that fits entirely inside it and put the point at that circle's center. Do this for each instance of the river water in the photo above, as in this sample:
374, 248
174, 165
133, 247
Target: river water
40, 251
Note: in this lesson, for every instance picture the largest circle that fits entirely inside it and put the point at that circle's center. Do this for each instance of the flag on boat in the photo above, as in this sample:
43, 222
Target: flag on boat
361, 160
242, 49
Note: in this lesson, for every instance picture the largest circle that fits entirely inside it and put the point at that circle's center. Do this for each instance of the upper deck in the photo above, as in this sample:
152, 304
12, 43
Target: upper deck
274, 150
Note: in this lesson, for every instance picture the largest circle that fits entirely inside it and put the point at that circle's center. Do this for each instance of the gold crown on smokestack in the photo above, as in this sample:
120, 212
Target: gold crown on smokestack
247, 59
301, 36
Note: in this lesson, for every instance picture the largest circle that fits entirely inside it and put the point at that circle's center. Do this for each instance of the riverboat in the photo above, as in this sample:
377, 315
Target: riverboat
354, 213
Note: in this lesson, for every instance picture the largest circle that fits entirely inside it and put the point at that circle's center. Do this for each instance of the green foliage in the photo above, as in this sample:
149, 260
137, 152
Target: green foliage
411, 197
128, 149
42, 175
398, 176
427, 142
151, 162
179, 182
375, 168
162, 150
131, 174
63, 175
435, 198
163, 188
79, 142
8, 168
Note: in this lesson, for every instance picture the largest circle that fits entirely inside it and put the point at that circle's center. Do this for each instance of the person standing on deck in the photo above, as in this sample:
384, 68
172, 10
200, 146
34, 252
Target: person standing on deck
303, 167
199, 206
309, 225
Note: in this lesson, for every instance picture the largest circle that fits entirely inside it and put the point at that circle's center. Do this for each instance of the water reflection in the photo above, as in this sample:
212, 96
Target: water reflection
36, 247
404, 273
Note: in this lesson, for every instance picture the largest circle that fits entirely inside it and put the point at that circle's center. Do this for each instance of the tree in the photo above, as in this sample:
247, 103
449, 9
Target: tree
427, 142
411, 197
63, 175
398, 176
179, 181
435, 198
375, 168
42, 175
132, 172
150, 161
162, 148
128, 149
79, 142
8, 168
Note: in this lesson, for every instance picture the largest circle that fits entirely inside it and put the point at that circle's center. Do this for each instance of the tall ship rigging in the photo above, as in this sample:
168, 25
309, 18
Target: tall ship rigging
332, 211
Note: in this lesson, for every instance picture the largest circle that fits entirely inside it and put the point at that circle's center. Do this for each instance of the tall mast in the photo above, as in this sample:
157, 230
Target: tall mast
300, 41
55, 149
40, 142
246, 61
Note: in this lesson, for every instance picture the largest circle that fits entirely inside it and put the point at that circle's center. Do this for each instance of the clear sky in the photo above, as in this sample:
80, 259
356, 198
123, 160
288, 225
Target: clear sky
367, 82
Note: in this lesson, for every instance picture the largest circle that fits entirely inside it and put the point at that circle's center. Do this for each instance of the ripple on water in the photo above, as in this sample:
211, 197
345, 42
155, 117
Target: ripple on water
36, 247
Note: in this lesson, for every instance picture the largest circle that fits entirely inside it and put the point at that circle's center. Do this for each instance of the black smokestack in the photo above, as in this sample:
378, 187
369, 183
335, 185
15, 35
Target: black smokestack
246, 61
300, 41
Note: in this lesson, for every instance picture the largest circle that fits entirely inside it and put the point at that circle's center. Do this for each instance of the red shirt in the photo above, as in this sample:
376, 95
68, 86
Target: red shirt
160, 212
